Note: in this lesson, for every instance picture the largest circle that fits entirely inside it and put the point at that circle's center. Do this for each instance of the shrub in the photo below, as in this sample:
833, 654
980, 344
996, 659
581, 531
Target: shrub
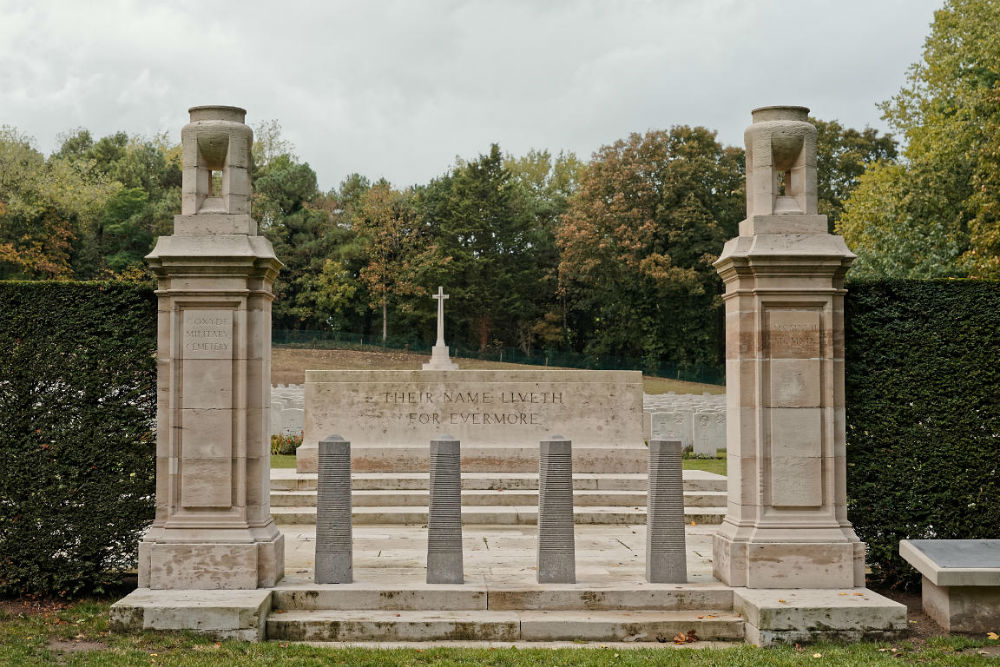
923, 416
285, 444
77, 412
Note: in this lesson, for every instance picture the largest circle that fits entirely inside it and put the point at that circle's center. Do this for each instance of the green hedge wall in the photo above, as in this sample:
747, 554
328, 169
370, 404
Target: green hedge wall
923, 416
77, 410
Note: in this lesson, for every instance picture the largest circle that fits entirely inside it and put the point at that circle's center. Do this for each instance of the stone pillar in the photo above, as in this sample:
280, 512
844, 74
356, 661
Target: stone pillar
444, 513
556, 541
786, 525
213, 527
666, 552
334, 545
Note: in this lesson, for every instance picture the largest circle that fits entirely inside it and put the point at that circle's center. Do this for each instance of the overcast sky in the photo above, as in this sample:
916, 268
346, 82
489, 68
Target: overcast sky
398, 89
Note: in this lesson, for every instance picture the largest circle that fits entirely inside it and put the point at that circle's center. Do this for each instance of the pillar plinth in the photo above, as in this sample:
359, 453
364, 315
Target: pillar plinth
786, 524
213, 527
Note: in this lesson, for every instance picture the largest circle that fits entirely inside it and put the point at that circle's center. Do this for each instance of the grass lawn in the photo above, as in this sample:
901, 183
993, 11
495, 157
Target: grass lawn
282, 460
77, 634
288, 366
717, 466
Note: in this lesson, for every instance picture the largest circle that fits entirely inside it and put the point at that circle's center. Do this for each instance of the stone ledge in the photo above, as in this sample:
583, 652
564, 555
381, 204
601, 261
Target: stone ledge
955, 562
219, 614
777, 616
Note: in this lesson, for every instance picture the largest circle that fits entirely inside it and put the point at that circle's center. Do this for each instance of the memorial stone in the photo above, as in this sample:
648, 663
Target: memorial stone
334, 539
556, 541
666, 552
444, 513
491, 412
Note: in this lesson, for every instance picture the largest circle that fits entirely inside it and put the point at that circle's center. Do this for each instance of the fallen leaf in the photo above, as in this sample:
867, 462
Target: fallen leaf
841, 593
859, 594
701, 617
817, 655
782, 600
694, 523
992, 635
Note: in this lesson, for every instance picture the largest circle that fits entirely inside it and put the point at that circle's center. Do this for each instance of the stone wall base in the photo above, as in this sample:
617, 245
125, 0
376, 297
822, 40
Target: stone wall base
962, 608
211, 565
768, 565
219, 614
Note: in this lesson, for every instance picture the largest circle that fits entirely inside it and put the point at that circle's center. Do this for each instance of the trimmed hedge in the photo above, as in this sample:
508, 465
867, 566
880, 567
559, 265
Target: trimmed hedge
77, 413
923, 416
77, 410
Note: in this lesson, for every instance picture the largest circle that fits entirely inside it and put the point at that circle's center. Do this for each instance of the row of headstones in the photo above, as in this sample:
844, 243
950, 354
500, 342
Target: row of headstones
666, 556
699, 422
287, 409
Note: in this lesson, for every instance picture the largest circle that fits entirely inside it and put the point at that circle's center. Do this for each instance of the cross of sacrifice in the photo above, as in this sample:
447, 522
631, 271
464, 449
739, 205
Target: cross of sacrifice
440, 296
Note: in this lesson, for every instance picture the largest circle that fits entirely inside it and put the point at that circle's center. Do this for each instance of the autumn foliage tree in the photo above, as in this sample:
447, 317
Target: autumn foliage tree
638, 242
388, 225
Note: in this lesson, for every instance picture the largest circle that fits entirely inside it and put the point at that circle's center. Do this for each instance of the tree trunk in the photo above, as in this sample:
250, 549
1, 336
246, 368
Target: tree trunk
385, 321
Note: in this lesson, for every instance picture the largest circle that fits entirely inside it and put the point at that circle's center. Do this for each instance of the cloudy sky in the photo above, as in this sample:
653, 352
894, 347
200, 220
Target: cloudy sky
399, 88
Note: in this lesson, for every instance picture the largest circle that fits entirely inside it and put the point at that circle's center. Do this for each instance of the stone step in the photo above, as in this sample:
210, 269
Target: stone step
445, 597
485, 458
286, 479
494, 514
637, 626
471, 498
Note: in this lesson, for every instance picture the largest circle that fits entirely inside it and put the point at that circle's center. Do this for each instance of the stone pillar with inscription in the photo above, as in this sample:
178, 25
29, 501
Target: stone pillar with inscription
213, 527
786, 524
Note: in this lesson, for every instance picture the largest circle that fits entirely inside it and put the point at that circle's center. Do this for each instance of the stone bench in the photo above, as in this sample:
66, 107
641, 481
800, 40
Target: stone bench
961, 581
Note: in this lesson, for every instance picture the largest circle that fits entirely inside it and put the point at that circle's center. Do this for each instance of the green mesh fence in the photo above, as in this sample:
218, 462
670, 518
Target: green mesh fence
340, 340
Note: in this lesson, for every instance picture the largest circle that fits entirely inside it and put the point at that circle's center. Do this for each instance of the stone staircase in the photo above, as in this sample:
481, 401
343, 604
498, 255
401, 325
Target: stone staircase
489, 497
365, 612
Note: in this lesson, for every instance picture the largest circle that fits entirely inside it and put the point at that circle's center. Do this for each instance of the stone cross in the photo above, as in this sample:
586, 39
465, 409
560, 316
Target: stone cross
440, 296
440, 360
666, 555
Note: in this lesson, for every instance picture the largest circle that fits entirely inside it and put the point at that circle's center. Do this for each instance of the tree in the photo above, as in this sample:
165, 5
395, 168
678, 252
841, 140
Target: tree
387, 223
638, 242
938, 212
44, 205
843, 153
484, 234
546, 186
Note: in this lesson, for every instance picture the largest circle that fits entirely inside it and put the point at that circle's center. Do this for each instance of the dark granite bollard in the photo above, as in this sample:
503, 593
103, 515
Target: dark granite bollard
334, 563
444, 513
666, 555
556, 544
